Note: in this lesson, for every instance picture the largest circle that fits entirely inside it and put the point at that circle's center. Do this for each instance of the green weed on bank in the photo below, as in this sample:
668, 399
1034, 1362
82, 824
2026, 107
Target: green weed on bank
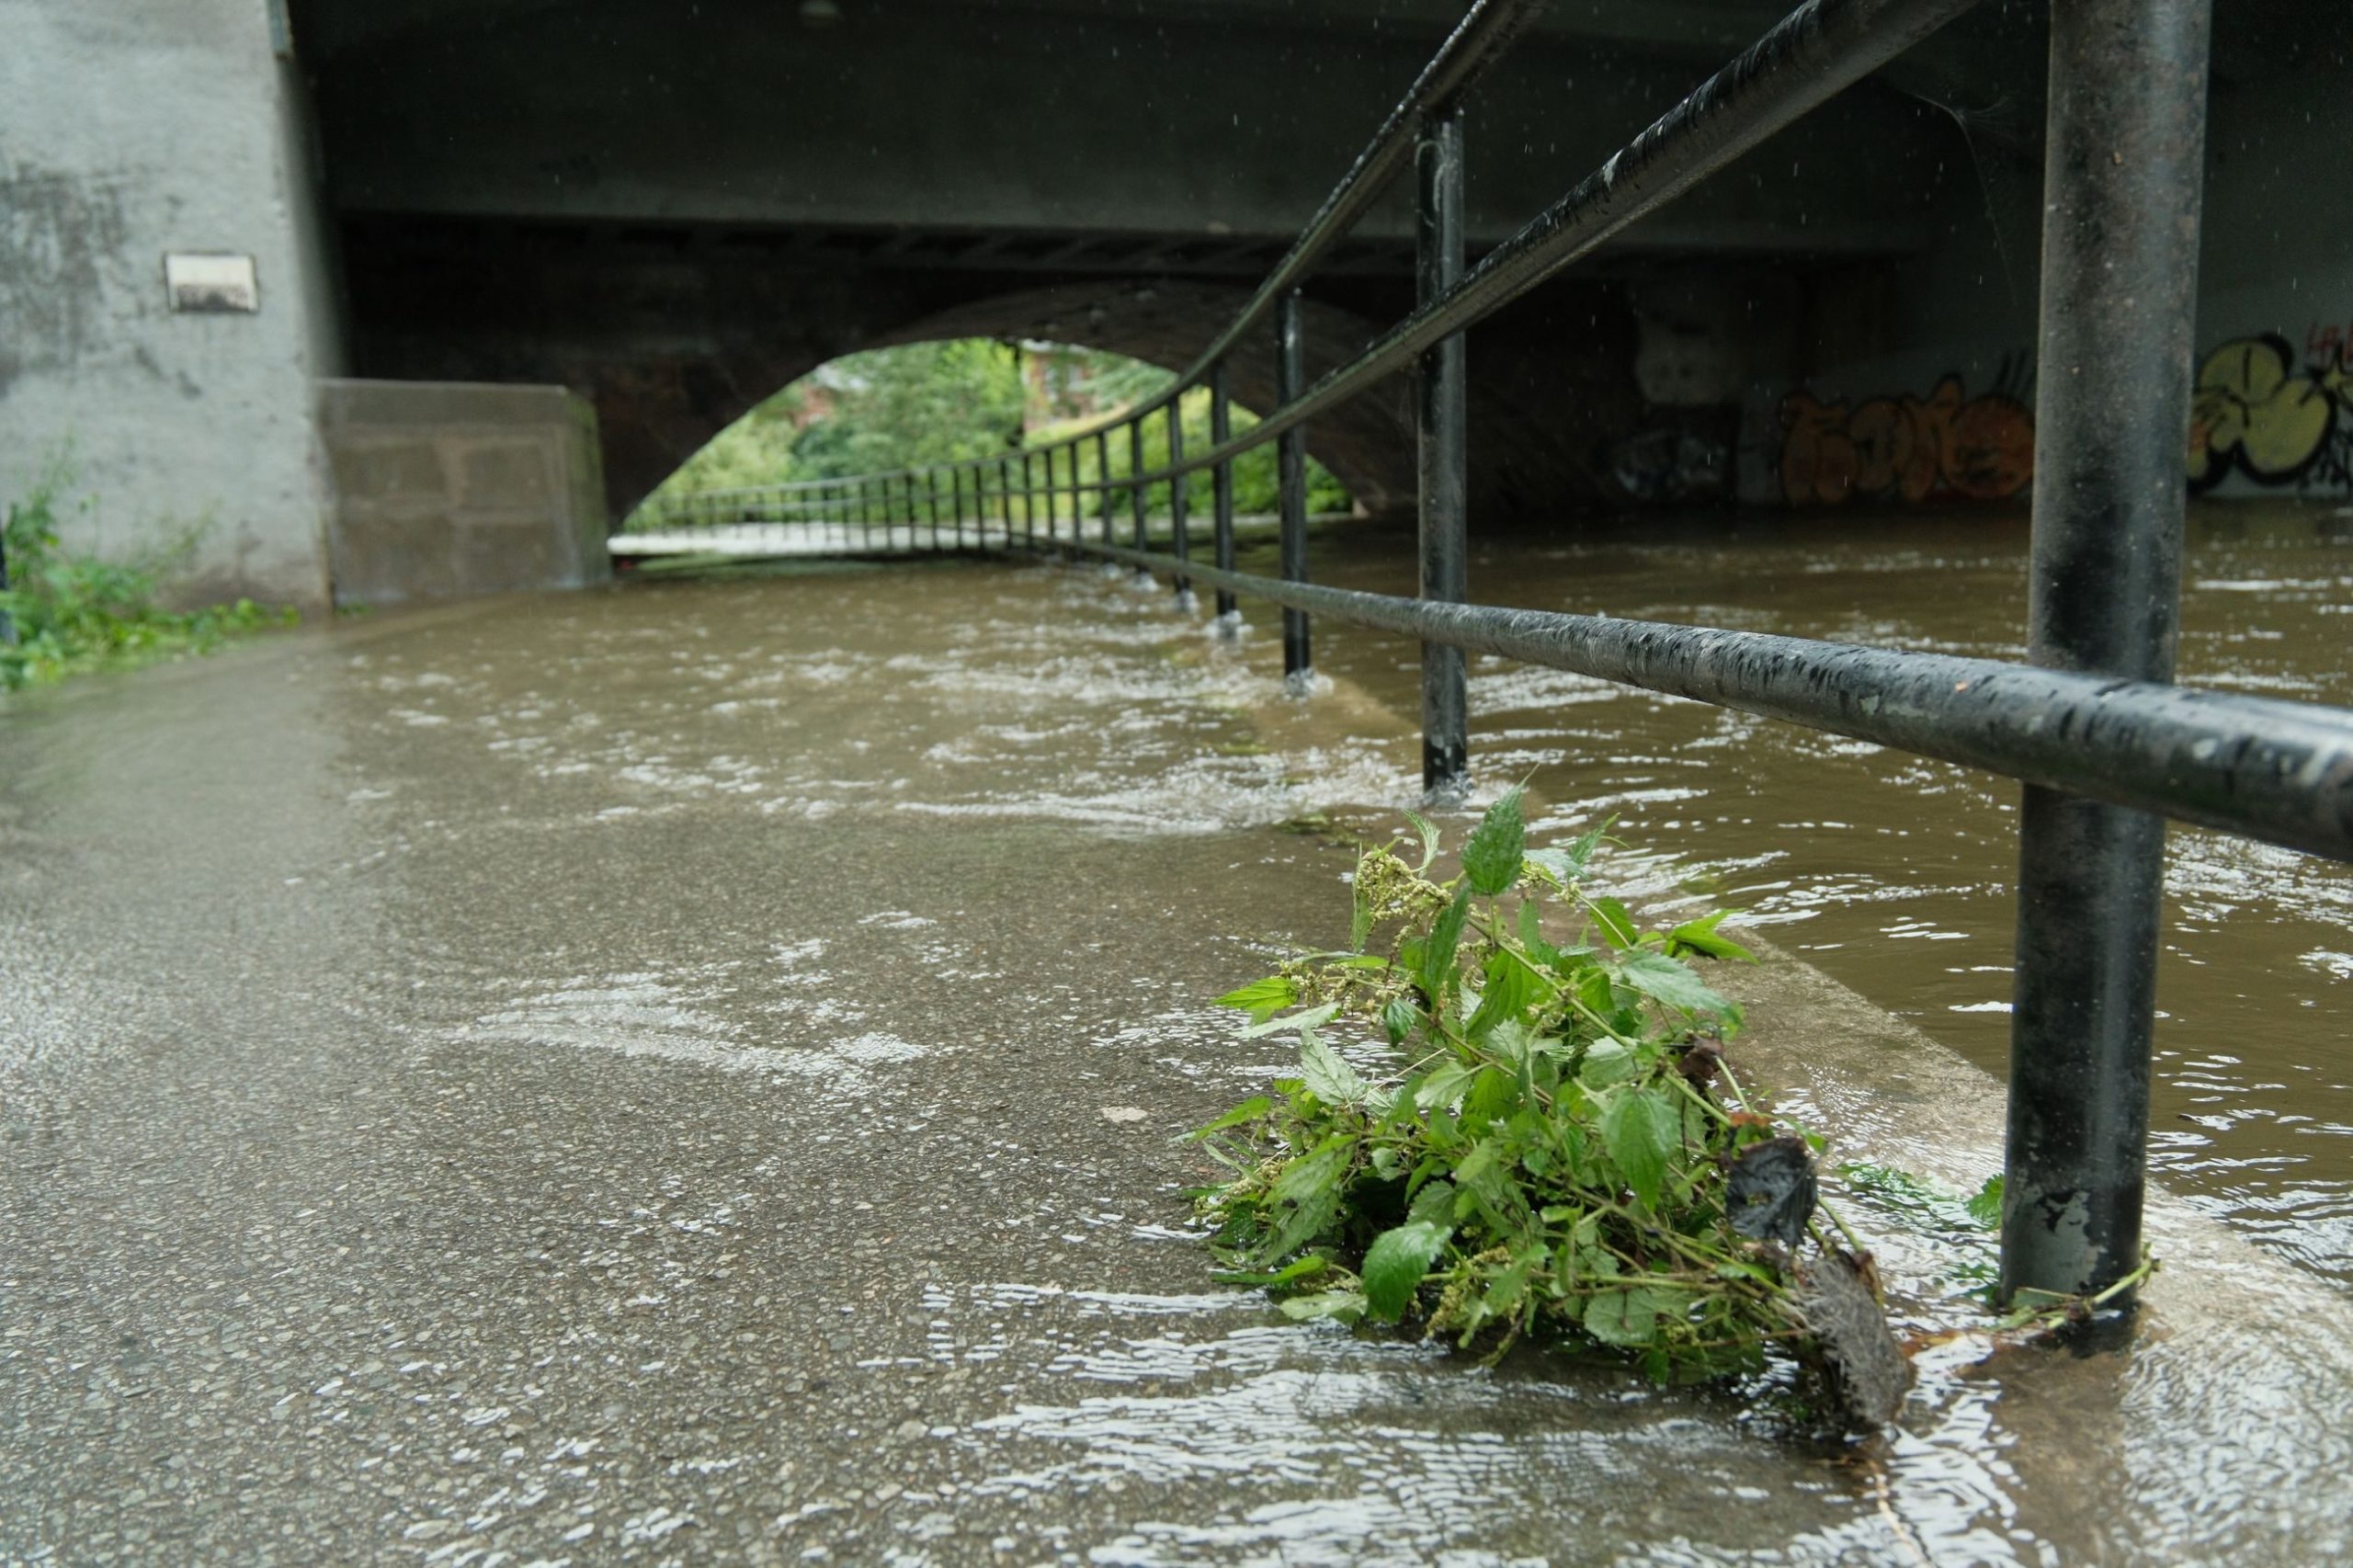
65, 613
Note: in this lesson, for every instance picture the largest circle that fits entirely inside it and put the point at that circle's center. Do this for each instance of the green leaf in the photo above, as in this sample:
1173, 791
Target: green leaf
1303, 1199
1511, 986
1438, 960
1314, 1263
1506, 1291
1492, 1094
1429, 840
1445, 1086
1699, 937
1566, 865
1434, 1204
1479, 1167
1670, 980
1531, 931
1248, 1110
1399, 1018
1261, 997
1628, 1314
1617, 925
1313, 1018
1490, 860
1347, 1306
1607, 1061
1985, 1208
1552, 862
1329, 1077
1395, 1264
1638, 1129
1581, 849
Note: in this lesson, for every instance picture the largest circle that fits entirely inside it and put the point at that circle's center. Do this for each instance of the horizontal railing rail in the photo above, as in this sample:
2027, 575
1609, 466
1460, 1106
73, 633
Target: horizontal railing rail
2105, 743
2263, 768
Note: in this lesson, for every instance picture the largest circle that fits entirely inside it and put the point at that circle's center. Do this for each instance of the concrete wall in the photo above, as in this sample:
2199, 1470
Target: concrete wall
130, 129
445, 489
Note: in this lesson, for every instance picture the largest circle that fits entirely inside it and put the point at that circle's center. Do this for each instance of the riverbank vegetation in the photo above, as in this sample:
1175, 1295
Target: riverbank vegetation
966, 399
64, 612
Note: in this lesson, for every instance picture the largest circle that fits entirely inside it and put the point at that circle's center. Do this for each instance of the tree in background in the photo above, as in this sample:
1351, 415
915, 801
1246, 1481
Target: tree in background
911, 407
962, 399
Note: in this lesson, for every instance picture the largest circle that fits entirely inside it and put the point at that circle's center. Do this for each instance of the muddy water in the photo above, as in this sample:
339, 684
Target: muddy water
1893, 873
687, 1073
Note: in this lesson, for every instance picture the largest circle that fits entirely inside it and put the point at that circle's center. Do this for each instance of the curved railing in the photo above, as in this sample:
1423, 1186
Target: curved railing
2105, 745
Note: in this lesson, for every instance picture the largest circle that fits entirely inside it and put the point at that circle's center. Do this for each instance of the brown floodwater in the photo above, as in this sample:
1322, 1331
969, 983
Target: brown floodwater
688, 1072
1894, 873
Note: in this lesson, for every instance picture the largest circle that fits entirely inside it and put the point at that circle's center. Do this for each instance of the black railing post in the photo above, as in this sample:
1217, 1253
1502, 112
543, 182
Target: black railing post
931, 503
1052, 537
1029, 501
1179, 504
1136, 488
1103, 477
2122, 179
1440, 439
1290, 466
1220, 431
956, 501
1053, 496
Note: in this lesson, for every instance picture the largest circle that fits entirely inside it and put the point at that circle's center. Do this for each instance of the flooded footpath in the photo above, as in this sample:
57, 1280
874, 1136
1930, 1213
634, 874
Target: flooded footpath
687, 1073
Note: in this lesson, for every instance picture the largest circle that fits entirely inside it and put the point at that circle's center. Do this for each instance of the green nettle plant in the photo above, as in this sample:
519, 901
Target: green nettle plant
65, 613
1540, 1133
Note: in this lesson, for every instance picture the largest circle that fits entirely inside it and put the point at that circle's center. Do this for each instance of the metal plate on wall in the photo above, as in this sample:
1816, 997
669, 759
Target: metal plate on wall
212, 284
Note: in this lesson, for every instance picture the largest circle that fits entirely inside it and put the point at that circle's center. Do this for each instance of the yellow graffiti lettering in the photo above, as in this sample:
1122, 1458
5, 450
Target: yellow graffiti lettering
2251, 407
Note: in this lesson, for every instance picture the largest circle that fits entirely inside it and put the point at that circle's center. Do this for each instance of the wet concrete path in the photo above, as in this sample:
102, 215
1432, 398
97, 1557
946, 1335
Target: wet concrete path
685, 1074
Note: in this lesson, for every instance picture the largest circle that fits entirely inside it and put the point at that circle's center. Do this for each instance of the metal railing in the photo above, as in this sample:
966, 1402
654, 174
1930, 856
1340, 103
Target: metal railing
2104, 744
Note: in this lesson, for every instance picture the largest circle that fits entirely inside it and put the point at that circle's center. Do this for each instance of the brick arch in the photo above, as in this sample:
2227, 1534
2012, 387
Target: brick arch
672, 350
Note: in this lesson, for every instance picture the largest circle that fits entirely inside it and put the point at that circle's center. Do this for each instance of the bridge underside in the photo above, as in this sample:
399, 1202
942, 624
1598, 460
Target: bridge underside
679, 252
674, 340
675, 209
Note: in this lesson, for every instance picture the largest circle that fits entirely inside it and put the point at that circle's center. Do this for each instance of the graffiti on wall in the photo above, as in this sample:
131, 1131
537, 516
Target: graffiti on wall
1669, 464
2255, 412
1905, 448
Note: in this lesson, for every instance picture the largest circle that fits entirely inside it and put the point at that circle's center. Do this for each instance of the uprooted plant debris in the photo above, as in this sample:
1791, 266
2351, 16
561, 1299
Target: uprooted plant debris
1543, 1140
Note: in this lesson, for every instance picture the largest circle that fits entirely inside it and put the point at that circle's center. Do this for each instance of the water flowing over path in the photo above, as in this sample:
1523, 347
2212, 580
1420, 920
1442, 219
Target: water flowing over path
685, 1073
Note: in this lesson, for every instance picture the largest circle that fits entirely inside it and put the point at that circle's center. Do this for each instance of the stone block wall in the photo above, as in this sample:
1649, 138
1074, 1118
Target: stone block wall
444, 490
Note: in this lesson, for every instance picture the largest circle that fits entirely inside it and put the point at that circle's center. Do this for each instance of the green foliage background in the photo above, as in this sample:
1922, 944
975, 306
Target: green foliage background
959, 399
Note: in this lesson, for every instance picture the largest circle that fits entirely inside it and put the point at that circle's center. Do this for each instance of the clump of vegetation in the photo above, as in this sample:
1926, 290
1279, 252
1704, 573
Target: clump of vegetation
63, 613
1540, 1133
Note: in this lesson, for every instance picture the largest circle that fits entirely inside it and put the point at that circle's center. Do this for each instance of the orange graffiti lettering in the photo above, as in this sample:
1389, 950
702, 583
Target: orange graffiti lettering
1905, 448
